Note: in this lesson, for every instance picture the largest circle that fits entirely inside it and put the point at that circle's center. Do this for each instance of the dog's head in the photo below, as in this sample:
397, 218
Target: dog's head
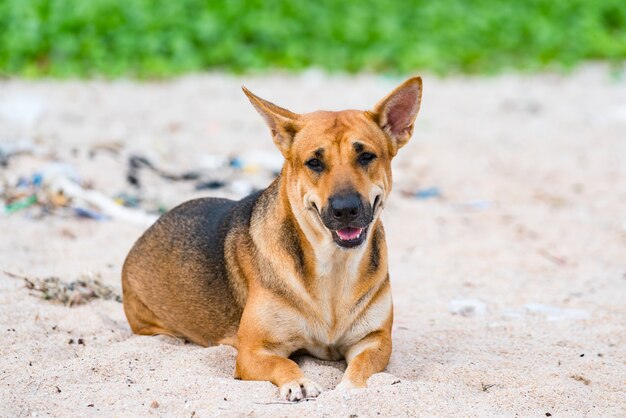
338, 164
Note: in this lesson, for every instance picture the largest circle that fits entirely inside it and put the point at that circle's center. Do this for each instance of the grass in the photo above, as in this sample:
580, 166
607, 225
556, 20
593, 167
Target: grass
152, 38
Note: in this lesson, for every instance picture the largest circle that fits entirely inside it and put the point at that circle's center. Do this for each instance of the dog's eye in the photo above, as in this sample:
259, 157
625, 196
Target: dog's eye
366, 158
315, 164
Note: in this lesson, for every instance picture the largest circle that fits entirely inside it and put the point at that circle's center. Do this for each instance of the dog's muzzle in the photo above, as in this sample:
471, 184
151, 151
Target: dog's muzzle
348, 217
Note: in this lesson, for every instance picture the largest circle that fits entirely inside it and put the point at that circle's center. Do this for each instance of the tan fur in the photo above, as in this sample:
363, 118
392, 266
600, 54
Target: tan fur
284, 286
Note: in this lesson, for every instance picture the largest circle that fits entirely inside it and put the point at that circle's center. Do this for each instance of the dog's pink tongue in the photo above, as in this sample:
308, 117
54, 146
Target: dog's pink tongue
348, 234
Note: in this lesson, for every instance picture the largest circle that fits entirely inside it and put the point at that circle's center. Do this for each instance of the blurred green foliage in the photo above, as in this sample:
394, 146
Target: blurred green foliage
148, 38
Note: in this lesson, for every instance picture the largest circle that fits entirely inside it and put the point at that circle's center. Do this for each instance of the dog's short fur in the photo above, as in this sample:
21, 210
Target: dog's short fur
298, 267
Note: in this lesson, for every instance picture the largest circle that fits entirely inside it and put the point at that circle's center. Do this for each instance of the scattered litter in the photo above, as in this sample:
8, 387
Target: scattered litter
90, 214
210, 185
20, 204
135, 163
580, 378
127, 200
423, 194
553, 313
78, 292
57, 189
217, 171
137, 202
467, 307
95, 205
21, 195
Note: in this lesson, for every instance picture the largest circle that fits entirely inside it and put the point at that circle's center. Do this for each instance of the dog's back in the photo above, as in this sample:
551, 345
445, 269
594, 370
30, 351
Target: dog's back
186, 243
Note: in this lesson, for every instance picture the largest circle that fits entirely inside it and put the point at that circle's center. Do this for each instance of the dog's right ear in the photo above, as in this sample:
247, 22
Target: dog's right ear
282, 123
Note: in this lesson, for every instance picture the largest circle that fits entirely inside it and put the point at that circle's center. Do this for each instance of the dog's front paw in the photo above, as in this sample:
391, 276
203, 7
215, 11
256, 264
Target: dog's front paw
299, 389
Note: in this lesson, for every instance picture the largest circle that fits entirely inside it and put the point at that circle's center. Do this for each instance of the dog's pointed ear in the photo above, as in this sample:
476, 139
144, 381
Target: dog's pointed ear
282, 123
396, 113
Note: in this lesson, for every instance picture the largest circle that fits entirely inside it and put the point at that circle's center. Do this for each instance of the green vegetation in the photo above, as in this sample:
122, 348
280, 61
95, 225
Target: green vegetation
148, 38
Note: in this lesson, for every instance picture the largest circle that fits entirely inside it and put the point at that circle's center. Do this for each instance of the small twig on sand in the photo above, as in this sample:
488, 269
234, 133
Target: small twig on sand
581, 379
486, 387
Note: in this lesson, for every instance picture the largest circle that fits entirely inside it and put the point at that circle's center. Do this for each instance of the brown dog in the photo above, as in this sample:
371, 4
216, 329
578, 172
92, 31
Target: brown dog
300, 266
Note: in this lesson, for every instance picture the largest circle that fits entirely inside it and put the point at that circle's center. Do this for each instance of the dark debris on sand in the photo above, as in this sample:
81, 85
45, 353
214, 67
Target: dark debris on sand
77, 292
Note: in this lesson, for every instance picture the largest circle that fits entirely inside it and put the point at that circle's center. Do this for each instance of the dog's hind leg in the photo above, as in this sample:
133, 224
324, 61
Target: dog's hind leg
141, 319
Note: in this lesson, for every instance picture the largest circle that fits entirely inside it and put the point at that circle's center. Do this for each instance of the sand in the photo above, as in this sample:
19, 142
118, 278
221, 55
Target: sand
509, 289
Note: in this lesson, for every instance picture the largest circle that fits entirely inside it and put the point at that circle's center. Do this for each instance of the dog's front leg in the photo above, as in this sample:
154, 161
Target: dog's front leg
261, 364
368, 356
263, 349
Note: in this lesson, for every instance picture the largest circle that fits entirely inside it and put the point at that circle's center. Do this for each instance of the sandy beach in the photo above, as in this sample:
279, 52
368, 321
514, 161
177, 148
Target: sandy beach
506, 232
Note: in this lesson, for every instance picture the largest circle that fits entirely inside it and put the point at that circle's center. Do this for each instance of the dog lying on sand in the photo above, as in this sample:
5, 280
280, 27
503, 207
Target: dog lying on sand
298, 267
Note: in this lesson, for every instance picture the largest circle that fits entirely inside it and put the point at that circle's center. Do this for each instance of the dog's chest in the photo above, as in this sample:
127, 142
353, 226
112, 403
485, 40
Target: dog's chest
329, 334
329, 329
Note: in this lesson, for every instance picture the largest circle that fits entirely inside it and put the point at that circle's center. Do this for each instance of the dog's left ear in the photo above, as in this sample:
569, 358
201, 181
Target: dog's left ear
396, 113
282, 123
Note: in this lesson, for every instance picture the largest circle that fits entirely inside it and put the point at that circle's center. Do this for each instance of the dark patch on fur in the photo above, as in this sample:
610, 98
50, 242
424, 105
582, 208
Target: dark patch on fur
292, 244
290, 129
374, 117
370, 295
362, 299
374, 265
283, 292
375, 253
271, 345
358, 147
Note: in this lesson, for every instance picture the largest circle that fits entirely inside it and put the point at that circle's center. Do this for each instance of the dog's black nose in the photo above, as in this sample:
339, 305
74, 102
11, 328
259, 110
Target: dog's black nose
345, 208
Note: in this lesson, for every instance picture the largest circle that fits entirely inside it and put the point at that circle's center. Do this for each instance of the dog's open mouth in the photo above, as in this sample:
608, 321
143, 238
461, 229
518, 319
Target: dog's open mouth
349, 237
